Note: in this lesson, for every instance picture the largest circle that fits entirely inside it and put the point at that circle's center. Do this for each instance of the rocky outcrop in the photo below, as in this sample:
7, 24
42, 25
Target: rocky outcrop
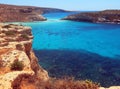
107, 16
13, 13
113, 87
15, 44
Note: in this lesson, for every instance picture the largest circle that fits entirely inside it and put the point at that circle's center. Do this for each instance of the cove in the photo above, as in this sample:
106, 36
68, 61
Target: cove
78, 49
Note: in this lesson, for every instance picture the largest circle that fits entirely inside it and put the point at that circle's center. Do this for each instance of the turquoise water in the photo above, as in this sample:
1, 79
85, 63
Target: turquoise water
79, 49
102, 39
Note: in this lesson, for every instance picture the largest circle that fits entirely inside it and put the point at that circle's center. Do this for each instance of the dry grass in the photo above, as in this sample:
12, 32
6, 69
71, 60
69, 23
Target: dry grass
67, 83
53, 83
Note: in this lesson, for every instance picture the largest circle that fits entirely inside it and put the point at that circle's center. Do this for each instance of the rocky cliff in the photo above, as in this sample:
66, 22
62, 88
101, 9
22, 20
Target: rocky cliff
13, 13
107, 16
17, 60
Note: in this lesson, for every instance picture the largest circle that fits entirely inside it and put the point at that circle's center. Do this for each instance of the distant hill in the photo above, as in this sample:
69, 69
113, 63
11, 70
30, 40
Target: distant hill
106, 16
13, 13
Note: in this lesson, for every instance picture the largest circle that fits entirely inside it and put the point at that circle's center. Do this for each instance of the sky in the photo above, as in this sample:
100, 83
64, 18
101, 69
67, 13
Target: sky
84, 5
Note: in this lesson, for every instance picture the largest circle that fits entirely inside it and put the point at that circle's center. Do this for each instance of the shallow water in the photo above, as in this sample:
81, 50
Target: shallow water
79, 49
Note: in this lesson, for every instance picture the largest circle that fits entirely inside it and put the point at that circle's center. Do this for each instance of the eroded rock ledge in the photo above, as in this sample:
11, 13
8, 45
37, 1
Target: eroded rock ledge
15, 44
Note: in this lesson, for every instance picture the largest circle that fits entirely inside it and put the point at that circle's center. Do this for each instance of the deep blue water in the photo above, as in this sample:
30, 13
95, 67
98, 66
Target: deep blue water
79, 49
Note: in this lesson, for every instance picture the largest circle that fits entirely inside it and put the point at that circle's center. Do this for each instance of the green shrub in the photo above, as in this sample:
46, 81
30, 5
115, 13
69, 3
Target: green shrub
17, 65
6, 26
25, 36
10, 33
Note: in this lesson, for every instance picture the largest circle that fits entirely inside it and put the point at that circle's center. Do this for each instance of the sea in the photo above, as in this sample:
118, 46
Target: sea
85, 51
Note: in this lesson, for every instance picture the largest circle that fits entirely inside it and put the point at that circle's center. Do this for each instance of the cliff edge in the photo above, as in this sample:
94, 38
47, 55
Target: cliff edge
17, 60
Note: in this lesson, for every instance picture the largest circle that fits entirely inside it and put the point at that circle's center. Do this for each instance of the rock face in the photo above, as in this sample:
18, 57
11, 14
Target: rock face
113, 87
15, 44
107, 16
12, 13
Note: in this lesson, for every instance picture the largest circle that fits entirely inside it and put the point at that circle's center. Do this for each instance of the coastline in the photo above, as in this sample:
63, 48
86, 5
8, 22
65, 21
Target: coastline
106, 16
20, 23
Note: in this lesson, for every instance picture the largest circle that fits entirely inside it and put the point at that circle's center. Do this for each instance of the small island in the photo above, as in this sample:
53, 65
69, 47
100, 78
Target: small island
107, 16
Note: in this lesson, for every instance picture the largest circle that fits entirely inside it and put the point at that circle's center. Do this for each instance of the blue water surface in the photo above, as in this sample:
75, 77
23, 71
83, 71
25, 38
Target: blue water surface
79, 49
103, 39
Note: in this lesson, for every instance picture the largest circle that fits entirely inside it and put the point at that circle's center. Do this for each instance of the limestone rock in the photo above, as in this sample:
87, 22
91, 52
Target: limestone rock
16, 44
112, 87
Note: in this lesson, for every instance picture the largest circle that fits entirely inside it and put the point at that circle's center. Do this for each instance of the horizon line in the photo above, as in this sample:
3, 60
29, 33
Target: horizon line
59, 8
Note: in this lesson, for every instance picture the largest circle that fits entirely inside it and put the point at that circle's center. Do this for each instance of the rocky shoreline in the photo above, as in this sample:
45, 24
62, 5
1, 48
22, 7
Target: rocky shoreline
107, 16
